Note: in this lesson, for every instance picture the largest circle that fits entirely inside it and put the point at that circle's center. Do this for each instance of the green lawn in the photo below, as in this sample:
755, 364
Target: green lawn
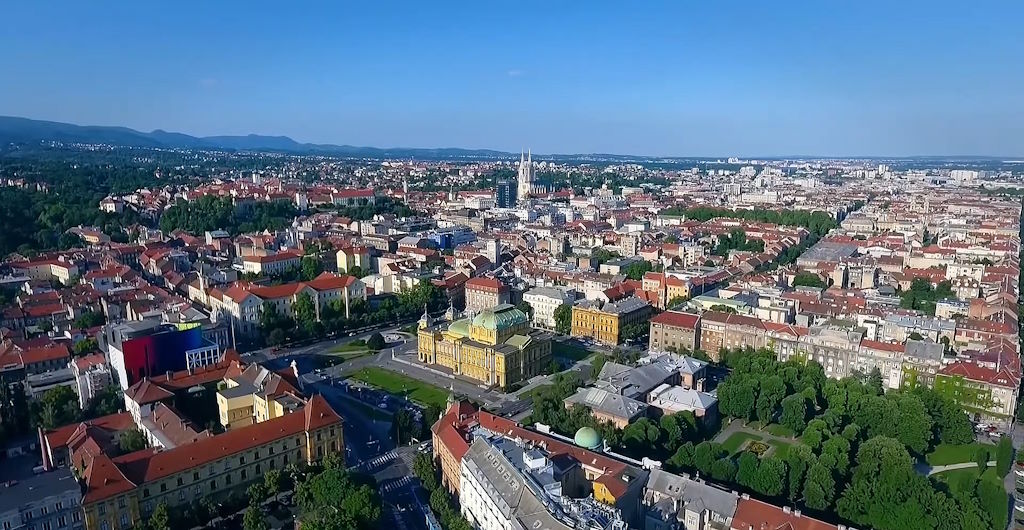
528, 395
781, 448
356, 346
963, 479
780, 430
945, 454
394, 383
736, 440
569, 350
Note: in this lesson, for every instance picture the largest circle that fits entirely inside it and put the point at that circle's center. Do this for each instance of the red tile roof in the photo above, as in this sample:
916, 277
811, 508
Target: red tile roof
47, 353
751, 513
883, 346
113, 423
149, 465
677, 319
481, 282
973, 372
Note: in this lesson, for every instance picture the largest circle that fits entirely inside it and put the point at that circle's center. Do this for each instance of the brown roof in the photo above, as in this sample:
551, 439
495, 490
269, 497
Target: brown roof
677, 319
149, 465
47, 353
751, 513
112, 423
482, 282
146, 391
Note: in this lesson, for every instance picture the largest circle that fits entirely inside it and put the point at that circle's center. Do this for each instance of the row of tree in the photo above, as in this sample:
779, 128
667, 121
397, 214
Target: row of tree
818, 223
304, 323
441, 502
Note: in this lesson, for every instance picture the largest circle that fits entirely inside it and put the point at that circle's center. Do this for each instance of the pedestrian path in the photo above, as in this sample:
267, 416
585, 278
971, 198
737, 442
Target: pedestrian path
925, 469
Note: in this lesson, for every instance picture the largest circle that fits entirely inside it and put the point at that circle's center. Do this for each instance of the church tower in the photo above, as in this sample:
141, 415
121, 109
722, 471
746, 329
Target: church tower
526, 175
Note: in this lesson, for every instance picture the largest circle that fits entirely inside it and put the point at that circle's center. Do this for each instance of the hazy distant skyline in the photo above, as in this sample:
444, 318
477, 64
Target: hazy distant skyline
650, 78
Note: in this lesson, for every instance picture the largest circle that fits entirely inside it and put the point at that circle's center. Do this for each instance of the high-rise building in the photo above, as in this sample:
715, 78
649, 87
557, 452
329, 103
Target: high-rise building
506, 194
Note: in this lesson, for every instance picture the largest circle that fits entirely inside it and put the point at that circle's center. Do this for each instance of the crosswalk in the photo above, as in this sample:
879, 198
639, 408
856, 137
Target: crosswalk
377, 462
395, 484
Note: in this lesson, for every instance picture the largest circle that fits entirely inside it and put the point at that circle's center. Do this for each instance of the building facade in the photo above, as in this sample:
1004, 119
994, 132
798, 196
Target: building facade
483, 293
544, 301
496, 347
674, 330
605, 322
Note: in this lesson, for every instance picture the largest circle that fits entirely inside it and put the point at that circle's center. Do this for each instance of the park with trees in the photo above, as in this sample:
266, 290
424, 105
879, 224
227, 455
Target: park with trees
832, 447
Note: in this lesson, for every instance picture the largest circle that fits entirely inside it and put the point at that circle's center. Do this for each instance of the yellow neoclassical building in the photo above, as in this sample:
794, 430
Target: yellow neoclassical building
496, 347
605, 322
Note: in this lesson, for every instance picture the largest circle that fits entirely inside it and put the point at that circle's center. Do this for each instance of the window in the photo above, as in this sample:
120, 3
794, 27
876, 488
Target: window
42, 511
258, 469
180, 481
163, 487
241, 460
76, 516
46, 525
104, 525
257, 454
145, 493
59, 506
198, 490
213, 485
124, 520
102, 510
181, 494
62, 522
244, 475
271, 449
227, 479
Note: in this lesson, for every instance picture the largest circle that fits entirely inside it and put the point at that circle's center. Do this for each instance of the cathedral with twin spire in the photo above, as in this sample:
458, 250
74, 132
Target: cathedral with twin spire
528, 178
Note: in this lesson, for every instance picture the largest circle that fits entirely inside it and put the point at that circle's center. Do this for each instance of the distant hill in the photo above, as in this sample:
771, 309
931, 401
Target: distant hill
24, 130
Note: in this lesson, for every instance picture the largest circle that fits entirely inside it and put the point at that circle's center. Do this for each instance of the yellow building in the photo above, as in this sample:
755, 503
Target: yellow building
605, 323
121, 491
496, 347
254, 396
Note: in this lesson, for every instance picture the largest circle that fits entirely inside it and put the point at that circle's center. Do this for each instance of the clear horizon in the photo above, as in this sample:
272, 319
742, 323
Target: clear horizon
658, 79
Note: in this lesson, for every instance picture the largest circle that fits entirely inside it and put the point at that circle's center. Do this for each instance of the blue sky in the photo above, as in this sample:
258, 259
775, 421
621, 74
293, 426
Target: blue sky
686, 78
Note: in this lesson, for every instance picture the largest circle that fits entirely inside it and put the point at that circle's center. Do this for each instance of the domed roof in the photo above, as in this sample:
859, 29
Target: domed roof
460, 328
500, 317
588, 438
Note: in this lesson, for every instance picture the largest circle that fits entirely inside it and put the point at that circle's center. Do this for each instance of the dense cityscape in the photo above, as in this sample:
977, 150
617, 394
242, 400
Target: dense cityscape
409, 265
258, 339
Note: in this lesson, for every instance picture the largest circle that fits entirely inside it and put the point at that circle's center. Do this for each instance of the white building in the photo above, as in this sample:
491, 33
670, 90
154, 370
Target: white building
544, 301
92, 375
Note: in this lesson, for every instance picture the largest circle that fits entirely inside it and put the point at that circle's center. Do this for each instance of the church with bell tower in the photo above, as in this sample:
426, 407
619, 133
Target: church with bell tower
527, 177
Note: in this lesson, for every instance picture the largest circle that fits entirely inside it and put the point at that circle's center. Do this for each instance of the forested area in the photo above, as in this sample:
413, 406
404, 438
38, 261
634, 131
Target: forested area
214, 213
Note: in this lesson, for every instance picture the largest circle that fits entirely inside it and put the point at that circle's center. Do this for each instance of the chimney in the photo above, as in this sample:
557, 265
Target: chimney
796, 513
169, 374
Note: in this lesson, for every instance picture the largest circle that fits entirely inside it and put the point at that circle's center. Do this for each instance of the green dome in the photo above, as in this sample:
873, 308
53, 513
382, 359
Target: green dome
503, 316
460, 328
587, 438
